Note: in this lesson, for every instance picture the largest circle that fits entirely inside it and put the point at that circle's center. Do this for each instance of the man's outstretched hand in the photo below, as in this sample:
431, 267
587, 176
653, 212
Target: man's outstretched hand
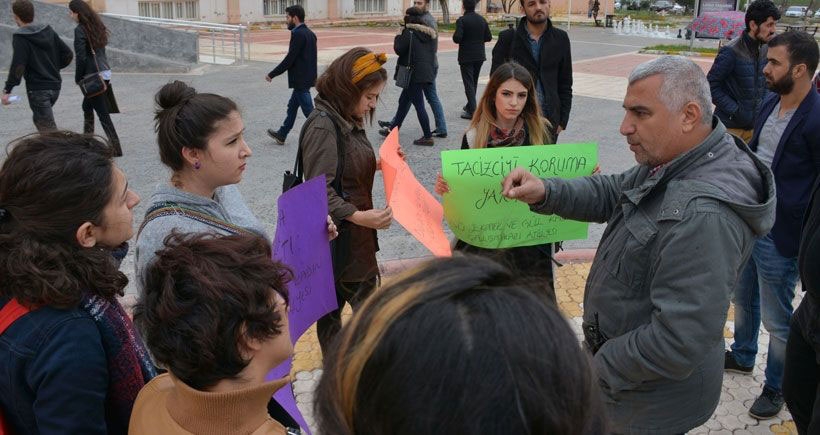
520, 184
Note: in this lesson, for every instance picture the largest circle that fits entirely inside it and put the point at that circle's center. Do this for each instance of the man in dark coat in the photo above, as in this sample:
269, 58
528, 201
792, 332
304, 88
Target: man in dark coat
736, 76
39, 55
787, 138
472, 32
300, 63
544, 50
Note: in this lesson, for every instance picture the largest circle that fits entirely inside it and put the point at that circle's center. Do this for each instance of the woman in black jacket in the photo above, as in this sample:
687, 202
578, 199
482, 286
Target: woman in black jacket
416, 49
90, 39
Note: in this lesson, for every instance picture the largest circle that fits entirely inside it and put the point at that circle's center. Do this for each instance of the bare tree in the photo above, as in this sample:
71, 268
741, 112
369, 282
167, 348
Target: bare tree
445, 11
506, 5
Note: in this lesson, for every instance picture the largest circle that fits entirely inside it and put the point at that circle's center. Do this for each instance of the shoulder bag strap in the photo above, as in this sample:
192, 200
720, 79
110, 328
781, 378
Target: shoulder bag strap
10, 313
299, 167
174, 209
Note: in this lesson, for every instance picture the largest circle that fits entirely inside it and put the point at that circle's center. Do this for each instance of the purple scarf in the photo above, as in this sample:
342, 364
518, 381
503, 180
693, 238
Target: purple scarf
129, 365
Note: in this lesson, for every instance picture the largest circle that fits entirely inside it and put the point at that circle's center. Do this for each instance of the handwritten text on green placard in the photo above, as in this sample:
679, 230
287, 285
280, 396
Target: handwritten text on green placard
480, 215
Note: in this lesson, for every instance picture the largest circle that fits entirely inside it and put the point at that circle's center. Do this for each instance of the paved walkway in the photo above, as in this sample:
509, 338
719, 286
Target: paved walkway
730, 417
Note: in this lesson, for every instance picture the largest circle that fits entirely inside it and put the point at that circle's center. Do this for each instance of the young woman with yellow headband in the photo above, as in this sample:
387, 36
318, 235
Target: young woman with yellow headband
347, 94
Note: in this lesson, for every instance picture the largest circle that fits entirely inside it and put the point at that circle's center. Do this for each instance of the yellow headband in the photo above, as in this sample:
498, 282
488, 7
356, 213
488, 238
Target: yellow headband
367, 64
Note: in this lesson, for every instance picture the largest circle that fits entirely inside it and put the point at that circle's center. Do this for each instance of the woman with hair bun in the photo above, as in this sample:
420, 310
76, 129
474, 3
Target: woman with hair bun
201, 139
348, 91
457, 346
90, 39
70, 360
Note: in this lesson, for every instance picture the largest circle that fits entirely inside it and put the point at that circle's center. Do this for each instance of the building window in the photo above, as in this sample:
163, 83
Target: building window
185, 10
435, 6
277, 7
368, 6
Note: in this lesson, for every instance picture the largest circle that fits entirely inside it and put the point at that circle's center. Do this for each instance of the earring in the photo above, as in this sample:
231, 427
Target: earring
197, 165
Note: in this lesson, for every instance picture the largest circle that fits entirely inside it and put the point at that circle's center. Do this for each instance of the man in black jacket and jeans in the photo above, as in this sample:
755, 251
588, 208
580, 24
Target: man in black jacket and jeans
472, 31
300, 63
544, 51
39, 55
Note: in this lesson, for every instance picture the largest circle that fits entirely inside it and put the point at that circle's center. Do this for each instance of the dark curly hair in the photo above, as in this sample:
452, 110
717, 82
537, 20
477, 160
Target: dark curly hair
203, 296
50, 184
759, 11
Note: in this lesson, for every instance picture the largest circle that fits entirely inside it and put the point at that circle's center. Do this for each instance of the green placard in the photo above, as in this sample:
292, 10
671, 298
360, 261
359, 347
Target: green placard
477, 212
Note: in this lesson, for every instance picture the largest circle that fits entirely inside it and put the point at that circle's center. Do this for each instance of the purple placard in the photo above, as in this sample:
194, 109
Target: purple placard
301, 243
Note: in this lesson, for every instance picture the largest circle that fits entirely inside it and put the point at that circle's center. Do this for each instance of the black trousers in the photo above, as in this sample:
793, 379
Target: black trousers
41, 102
99, 104
801, 374
469, 75
353, 293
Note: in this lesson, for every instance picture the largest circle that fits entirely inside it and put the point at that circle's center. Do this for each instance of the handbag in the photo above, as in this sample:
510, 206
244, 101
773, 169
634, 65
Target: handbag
93, 84
405, 72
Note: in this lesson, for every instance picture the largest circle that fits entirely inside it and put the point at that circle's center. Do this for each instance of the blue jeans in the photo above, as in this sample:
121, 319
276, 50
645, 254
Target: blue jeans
767, 281
298, 98
435, 105
413, 95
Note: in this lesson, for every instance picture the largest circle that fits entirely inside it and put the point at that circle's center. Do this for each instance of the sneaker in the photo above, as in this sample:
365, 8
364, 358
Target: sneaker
424, 141
768, 405
441, 134
384, 124
276, 136
384, 131
466, 115
730, 365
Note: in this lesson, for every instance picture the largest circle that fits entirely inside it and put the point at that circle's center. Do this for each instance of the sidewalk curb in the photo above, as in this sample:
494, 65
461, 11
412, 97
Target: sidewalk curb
394, 267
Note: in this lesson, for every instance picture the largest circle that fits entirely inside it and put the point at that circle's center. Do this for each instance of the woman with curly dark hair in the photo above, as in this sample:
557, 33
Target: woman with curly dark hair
90, 39
71, 361
214, 313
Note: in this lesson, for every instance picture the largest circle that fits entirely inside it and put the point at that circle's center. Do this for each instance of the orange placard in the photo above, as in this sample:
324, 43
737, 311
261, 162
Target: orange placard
413, 206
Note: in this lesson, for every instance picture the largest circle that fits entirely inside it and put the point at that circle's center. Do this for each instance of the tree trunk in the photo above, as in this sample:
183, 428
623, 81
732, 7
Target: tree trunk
445, 11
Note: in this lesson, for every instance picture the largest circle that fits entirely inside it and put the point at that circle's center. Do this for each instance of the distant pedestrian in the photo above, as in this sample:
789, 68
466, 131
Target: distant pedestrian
736, 77
545, 51
414, 45
680, 226
458, 346
39, 55
472, 32
787, 139
430, 92
300, 63
90, 39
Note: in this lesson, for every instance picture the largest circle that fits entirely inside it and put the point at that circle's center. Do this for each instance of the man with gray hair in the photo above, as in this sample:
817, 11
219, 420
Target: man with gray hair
680, 227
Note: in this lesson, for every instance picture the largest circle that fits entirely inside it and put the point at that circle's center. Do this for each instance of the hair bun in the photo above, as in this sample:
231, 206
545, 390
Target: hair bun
174, 94
381, 58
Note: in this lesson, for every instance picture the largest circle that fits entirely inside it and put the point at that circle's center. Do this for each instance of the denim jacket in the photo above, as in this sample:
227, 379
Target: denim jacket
53, 373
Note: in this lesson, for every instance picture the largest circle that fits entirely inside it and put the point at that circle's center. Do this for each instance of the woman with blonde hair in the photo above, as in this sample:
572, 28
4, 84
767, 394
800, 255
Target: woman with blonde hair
509, 115
333, 143
458, 346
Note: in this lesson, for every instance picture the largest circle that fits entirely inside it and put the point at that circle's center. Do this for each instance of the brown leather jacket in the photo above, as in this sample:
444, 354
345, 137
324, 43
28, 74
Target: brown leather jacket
319, 154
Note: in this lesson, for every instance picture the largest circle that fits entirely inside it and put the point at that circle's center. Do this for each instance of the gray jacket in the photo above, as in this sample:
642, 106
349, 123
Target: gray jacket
227, 205
660, 284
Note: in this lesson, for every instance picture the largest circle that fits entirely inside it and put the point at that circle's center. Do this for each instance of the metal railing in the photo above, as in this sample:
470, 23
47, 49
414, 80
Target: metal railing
226, 40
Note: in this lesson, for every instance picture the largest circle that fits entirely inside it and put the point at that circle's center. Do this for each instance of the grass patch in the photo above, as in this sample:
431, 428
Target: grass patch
677, 48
